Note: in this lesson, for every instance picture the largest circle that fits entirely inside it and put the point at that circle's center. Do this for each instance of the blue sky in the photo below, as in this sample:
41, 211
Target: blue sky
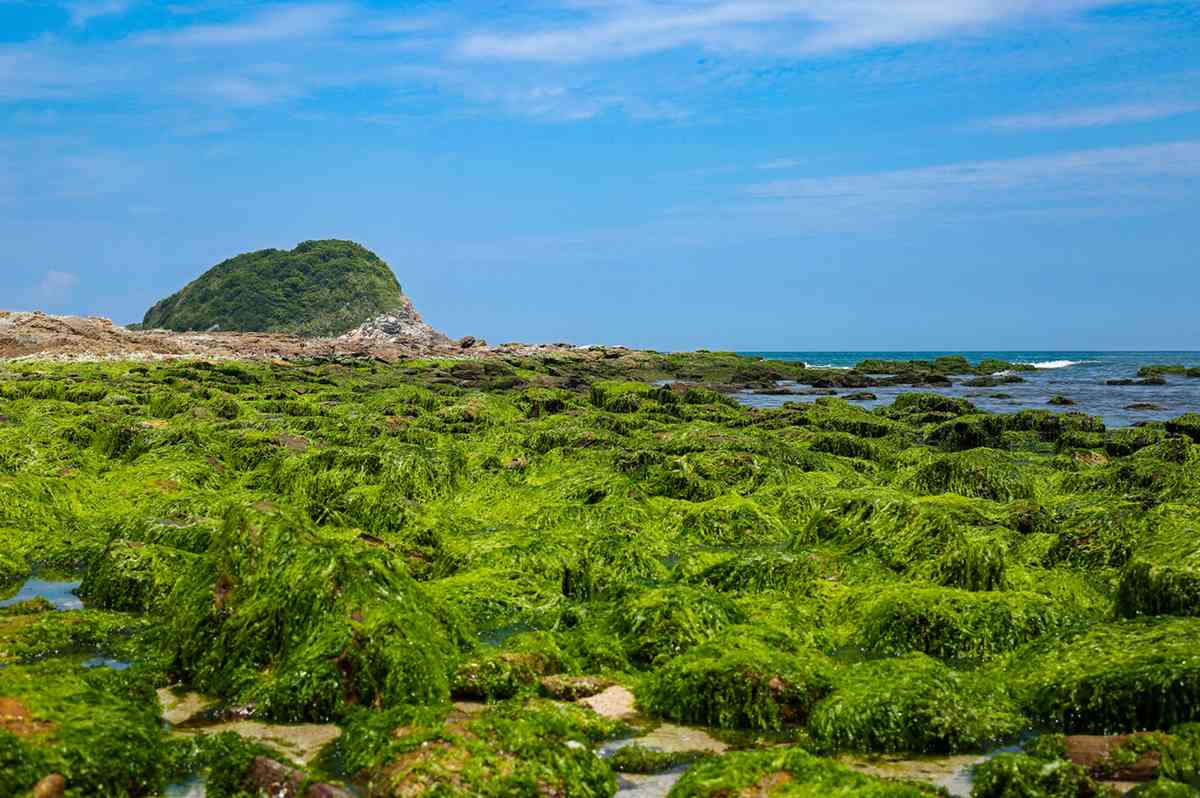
745, 174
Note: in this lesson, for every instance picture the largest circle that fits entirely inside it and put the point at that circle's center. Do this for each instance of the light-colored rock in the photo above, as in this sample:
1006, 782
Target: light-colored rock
616, 703
182, 707
677, 739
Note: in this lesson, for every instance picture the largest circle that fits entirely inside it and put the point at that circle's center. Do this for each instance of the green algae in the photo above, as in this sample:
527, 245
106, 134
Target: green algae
636, 758
303, 627
959, 625
788, 773
742, 679
98, 728
913, 704
342, 540
1117, 677
517, 749
1020, 776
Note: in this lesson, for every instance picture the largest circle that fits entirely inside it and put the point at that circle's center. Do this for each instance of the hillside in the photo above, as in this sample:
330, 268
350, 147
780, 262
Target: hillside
320, 288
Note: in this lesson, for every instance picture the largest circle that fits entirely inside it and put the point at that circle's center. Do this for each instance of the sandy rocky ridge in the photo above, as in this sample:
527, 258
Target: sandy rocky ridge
389, 337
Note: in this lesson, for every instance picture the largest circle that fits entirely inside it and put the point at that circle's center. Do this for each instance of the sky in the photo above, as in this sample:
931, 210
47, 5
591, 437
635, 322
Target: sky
726, 174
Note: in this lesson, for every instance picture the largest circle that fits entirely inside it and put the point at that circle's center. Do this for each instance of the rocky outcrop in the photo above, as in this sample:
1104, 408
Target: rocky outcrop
403, 325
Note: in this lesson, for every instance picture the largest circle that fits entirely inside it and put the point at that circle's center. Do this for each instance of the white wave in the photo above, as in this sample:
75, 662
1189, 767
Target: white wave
830, 367
1059, 364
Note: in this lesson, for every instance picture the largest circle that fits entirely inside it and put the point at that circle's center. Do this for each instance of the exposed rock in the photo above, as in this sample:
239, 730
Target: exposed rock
1091, 458
573, 688
1147, 406
402, 325
1092, 752
1061, 401
862, 396
616, 703
16, 719
53, 786
266, 776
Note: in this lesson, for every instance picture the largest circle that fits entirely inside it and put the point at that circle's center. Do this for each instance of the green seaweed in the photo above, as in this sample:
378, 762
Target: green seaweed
913, 704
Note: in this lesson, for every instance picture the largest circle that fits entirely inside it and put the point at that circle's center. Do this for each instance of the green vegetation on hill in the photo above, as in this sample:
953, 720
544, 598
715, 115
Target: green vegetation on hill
318, 288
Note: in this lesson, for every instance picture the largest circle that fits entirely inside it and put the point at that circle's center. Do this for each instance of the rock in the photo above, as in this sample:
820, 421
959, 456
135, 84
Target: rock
402, 325
1061, 401
1091, 752
862, 396
1090, 458
615, 703
573, 688
16, 719
272, 778
1147, 406
53, 786
467, 341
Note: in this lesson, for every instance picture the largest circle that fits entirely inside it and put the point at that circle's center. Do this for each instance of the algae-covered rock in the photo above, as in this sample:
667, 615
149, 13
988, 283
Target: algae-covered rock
921, 403
787, 772
968, 432
305, 627
1117, 677
1148, 588
1164, 788
958, 624
523, 660
664, 622
913, 704
752, 571
635, 758
743, 679
131, 575
1188, 425
1020, 776
99, 729
533, 749
981, 473
731, 521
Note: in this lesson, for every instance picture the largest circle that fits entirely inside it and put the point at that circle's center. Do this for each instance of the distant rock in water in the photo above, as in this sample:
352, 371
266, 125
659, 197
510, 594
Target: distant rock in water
320, 288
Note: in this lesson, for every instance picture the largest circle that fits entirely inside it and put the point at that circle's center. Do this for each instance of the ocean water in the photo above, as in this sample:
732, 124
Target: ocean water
1080, 376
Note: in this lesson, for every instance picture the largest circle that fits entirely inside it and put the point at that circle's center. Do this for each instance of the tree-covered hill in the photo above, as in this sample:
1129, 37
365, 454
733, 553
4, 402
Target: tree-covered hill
318, 288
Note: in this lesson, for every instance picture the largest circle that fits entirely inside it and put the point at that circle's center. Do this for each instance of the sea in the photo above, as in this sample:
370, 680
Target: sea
1079, 376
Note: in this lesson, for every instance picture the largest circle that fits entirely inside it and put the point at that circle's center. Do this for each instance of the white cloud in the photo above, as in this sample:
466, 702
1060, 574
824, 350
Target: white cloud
83, 13
627, 28
1096, 116
275, 24
56, 285
1105, 178
782, 163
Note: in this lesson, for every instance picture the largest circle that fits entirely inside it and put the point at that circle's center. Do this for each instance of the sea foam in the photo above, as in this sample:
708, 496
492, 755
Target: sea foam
1058, 364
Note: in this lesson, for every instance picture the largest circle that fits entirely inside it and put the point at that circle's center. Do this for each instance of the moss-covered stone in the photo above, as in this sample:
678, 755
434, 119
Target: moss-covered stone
913, 704
960, 625
784, 772
743, 679
1117, 677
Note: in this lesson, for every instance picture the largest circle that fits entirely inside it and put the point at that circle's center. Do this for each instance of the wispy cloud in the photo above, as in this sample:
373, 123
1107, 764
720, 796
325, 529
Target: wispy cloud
781, 163
85, 11
1095, 116
280, 23
628, 28
1100, 178
56, 285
